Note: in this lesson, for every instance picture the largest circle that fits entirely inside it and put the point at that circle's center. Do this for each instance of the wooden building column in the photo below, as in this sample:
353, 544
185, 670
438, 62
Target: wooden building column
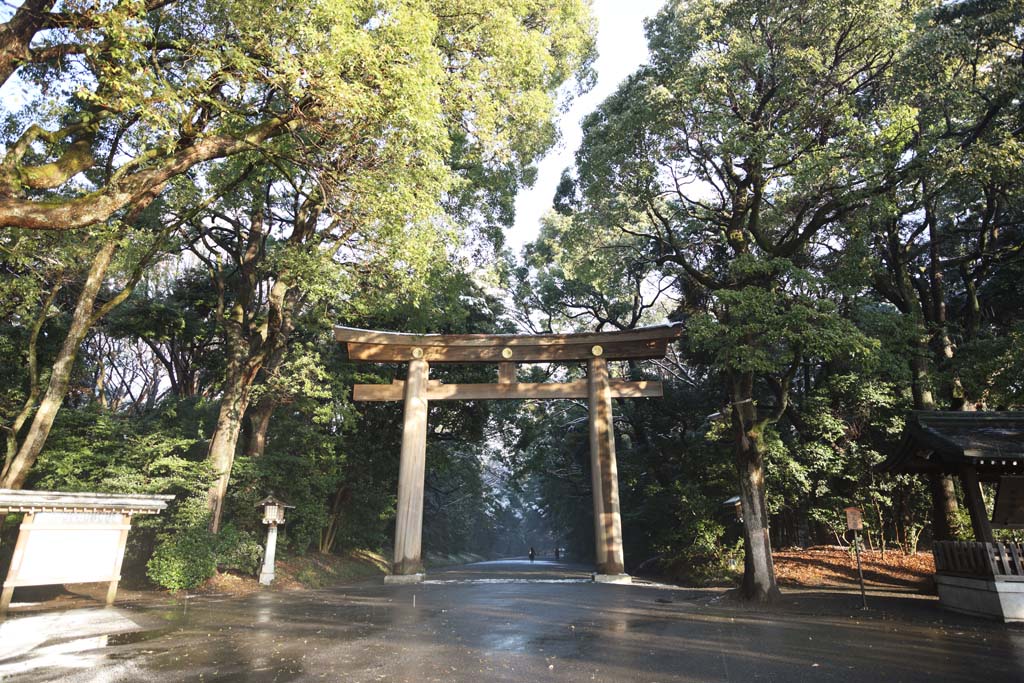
409, 523
122, 543
976, 504
16, 561
604, 471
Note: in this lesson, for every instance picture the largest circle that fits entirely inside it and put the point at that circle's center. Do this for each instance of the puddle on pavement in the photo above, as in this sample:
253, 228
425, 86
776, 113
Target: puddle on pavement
132, 637
475, 581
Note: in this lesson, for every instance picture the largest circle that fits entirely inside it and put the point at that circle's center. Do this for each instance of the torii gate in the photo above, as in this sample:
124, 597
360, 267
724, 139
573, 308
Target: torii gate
419, 350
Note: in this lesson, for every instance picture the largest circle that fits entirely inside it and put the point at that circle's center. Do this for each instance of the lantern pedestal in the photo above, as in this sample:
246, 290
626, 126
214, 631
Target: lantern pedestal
267, 574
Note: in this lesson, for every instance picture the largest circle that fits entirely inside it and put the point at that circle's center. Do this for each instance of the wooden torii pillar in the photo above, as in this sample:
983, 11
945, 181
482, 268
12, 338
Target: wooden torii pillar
419, 351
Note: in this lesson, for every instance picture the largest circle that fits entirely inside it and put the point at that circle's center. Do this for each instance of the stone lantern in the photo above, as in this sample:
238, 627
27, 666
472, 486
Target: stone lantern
273, 514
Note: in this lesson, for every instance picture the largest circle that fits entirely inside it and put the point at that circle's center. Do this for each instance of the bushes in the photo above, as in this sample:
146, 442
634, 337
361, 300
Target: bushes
237, 551
183, 560
188, 554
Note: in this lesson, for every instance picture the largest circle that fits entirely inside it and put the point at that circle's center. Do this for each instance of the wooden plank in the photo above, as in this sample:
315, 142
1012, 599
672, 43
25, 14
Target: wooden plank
1004, 559
16, 561
506, 373
938, 552
1018, 561
376, 337
515, 391
115, 578
522, 353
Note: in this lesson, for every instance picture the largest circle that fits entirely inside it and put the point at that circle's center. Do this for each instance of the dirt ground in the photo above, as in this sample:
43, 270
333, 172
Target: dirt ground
837, 566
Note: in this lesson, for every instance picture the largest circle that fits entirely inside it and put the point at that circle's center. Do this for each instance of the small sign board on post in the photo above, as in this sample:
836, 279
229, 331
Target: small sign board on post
854, 519
71, 537
855, 523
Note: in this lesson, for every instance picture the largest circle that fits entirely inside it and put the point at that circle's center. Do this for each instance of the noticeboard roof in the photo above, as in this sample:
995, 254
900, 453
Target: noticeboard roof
13, 500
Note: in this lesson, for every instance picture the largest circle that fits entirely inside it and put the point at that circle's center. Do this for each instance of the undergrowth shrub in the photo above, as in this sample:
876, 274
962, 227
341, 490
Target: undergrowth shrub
188, 554
185, 555
237, 551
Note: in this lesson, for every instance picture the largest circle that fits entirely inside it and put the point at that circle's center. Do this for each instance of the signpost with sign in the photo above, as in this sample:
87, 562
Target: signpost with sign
854, 523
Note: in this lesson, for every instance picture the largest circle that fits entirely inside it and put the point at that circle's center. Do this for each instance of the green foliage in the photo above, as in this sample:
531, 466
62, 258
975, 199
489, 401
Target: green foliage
186, 555
237, 551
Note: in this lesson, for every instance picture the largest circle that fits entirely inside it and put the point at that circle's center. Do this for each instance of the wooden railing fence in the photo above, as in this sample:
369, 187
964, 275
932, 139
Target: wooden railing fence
974, 558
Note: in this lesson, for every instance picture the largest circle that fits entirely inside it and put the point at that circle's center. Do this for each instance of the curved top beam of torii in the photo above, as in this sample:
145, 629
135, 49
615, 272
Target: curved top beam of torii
390, 347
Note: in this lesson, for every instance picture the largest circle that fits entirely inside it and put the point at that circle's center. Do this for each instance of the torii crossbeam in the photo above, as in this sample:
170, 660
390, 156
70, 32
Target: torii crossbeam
419, 350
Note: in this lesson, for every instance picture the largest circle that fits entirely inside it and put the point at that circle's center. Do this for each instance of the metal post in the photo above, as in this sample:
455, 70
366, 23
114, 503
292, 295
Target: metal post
860, 573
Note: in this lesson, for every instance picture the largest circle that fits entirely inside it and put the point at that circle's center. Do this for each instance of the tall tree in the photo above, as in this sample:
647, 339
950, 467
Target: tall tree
729, 156
392, 107
122, 98
941, 236
377, 204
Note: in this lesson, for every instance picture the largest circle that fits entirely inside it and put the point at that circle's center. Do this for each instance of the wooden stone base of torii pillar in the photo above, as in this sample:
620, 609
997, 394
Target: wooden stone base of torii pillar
596, 349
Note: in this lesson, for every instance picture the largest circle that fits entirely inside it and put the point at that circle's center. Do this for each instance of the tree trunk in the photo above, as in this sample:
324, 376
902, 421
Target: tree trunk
252, 347
32, 360
944, 505
259, 422
224, 441
329, 533
17, 32
923, 399
15, 474
759, 583
247, 360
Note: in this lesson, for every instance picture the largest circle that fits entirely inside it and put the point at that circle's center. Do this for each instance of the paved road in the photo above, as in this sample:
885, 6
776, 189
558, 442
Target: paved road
510, 621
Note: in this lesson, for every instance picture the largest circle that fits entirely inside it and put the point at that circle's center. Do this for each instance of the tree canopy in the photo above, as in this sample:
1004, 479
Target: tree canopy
193, 192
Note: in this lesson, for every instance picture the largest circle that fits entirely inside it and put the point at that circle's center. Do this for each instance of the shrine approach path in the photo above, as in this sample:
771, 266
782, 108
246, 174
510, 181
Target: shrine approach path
516, 621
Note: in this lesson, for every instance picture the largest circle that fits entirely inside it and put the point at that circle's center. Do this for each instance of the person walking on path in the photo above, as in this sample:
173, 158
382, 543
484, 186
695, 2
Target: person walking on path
532, 554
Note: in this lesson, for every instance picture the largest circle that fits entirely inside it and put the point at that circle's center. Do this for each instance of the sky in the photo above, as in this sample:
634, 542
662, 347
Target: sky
621, 47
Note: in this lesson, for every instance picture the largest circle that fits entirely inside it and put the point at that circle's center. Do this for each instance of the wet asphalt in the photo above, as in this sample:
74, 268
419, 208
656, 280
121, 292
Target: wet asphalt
513, 621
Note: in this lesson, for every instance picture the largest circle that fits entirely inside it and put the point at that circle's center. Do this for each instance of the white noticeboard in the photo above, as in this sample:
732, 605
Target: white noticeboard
68, 547
72, 547
76, 537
